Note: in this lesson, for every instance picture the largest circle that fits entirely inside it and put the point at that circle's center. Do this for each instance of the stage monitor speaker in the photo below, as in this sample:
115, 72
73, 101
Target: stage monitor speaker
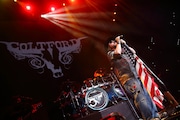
122, 108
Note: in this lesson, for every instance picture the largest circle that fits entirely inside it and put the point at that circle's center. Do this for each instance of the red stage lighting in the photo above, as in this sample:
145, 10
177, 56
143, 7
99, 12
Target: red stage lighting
72, 0
64, 4
28, 7
53, 9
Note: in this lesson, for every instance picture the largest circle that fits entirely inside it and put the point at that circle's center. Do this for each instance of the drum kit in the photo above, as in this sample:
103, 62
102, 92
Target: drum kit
94, 95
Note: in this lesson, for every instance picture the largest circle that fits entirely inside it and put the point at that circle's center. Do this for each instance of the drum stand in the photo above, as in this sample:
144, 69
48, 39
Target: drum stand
114, 77
75, 105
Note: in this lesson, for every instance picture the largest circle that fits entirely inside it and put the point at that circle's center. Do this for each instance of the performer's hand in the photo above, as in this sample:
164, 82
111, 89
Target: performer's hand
119, 40
122, 41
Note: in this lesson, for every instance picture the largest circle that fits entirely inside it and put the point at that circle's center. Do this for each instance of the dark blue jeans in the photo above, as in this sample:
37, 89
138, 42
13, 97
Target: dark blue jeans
142, 99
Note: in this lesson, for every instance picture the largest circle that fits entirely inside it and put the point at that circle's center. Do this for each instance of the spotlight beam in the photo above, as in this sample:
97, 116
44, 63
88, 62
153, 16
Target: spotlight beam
88, 23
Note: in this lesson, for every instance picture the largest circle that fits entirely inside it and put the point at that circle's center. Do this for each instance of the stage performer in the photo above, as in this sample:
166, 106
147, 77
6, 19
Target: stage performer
129, 79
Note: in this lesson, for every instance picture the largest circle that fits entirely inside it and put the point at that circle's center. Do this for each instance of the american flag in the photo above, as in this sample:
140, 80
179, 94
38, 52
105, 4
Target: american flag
146, 78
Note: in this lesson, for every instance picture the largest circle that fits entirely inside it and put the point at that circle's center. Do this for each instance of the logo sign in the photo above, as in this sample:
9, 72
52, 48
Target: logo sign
40, 55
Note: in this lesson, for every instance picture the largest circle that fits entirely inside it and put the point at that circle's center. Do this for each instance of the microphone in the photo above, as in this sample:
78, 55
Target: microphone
120, 37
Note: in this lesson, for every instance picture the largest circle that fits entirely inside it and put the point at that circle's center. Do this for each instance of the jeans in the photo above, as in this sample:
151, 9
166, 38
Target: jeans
142, 99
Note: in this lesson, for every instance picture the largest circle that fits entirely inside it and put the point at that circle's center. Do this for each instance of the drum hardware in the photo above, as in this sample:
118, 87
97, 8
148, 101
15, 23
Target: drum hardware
72, 102
78, 105
95, 94
95, 83
96, 99
101, 91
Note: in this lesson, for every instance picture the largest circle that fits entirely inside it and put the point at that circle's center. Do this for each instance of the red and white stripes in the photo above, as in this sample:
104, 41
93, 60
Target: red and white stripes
149, 83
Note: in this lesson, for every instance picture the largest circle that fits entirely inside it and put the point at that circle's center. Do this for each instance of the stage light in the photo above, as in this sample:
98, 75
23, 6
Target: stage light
15, 0
64, 4
28, 7
53, 9
43, 16
72, 0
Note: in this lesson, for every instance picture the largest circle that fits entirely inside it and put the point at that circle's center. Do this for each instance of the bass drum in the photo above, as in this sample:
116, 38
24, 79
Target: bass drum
96, 99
